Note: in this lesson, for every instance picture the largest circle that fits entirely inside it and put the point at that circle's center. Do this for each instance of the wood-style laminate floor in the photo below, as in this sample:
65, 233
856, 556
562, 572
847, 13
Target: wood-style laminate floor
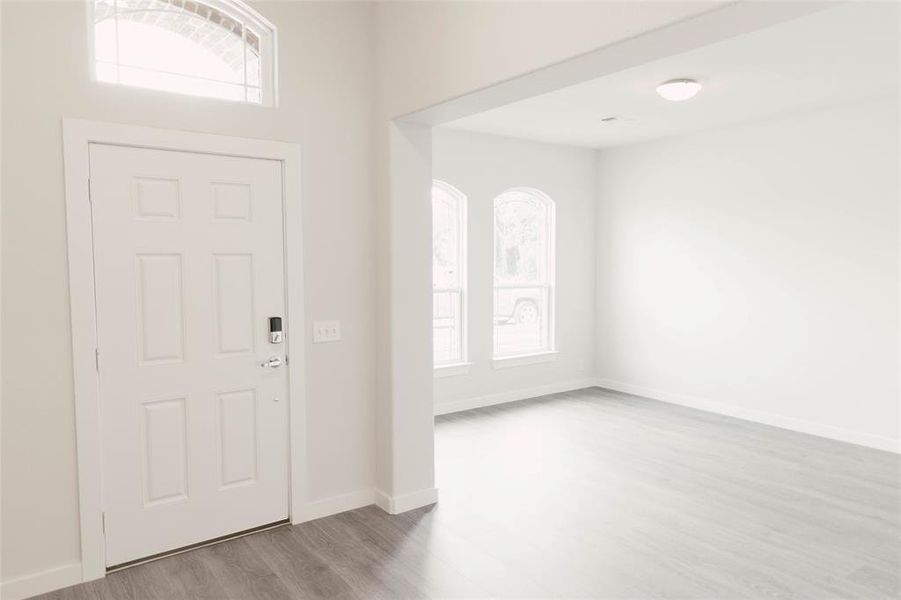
589, 494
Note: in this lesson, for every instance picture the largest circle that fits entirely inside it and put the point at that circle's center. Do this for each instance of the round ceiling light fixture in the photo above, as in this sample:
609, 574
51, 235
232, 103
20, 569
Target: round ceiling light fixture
677, 90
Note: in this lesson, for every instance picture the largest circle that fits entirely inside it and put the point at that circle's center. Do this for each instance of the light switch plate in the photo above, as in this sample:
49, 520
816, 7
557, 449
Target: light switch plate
326, 331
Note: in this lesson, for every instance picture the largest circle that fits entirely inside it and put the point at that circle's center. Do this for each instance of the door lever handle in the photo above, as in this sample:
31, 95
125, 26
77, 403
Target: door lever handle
272, 363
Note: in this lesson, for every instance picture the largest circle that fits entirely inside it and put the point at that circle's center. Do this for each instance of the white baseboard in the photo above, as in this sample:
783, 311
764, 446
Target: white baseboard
400, 504
334, 505
345, 502
41, 582
784, 422
443, 408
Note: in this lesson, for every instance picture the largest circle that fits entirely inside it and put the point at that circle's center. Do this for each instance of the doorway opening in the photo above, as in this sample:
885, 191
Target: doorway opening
695, 294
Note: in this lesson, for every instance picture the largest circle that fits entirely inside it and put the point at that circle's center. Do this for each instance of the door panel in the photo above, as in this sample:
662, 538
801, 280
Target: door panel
238, 437
234, 303
160, 315
165, 452
189, 267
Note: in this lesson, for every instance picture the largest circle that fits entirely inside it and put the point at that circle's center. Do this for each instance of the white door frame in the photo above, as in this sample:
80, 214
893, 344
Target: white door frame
77, 135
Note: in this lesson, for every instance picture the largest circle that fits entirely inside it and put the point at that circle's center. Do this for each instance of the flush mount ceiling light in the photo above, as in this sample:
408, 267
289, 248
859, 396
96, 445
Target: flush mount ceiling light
677, 90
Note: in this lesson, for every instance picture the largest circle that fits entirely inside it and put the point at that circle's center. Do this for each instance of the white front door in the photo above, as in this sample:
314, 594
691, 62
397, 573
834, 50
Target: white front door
189, 266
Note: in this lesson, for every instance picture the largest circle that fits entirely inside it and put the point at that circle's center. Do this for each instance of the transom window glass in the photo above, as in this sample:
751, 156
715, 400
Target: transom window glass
215, 48
448, 274
523, 273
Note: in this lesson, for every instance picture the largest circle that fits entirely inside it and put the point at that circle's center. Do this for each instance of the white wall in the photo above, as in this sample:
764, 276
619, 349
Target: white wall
755, 268
482, 167
331, 55
326, 87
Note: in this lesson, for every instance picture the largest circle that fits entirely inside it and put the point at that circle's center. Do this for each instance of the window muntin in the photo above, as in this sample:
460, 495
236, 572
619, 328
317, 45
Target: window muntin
448, 274
523, 273
215, 48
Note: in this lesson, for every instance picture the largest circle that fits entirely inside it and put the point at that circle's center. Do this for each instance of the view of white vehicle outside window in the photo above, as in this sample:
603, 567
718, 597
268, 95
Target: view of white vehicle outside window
523, 273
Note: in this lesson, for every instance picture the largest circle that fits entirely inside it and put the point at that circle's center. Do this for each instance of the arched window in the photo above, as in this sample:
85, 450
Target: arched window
215, 48
448, 274
523, 273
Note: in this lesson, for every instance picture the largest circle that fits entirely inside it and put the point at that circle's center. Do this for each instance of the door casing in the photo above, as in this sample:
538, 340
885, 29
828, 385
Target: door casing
77, 135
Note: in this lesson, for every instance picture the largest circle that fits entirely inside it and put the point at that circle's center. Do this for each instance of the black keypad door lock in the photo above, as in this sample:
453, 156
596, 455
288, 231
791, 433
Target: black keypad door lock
275, 330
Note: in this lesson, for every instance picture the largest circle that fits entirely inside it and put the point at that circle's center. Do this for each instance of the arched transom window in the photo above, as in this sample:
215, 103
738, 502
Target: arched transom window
523, 273
215, 48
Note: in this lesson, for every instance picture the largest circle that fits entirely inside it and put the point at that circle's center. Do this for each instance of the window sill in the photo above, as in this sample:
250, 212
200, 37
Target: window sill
520, 360
452, 370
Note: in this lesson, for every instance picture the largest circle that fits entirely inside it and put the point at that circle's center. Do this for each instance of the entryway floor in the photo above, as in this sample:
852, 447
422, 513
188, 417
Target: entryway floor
588, 494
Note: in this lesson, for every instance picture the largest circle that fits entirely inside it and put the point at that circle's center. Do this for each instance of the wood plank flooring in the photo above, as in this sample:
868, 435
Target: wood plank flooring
589, 494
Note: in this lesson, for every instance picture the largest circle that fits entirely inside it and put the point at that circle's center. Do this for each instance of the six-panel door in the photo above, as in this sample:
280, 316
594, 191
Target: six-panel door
189, 267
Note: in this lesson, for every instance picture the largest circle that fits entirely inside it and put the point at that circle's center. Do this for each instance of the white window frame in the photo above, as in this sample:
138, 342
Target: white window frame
261, 26
461, 366
550, 352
